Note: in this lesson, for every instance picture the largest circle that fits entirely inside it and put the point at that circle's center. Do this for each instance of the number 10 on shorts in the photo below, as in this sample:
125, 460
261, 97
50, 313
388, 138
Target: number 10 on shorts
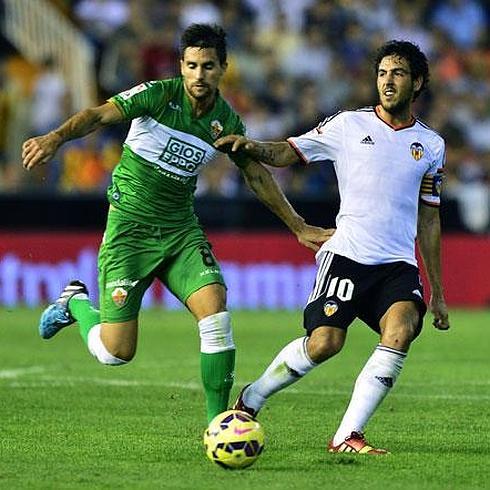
341, 288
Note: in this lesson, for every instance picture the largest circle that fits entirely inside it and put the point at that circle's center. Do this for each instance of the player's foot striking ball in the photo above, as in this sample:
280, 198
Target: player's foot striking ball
240, 405
234, 440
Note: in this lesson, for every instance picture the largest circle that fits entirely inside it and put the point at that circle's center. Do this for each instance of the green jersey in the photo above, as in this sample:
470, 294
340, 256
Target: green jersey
165, 150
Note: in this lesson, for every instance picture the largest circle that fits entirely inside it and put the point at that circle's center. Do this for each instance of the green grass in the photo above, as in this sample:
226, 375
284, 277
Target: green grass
68, 422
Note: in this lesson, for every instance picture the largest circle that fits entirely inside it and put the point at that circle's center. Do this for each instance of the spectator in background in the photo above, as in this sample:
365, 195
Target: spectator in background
330, 17
49, 98
101, 18
219, 179
261, 123
49, 108
153, 14
159, 54
267, 41
236, 17
254, 62
374, 15
4, 110
478, 128
311, 57
472, 193
199, 11
18, 80
353, 49
339, 87
407, 26
279, 40
121, 65
463, 20
88, 163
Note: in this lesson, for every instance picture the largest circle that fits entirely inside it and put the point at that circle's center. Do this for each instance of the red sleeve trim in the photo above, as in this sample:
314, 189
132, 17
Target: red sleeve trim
298, 152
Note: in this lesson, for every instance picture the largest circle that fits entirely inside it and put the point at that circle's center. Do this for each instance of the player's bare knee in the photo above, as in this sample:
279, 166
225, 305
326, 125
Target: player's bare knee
324, 343
399, 336
400, 326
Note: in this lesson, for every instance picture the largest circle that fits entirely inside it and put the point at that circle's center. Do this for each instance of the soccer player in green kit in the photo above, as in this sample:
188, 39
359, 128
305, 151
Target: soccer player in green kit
152, 230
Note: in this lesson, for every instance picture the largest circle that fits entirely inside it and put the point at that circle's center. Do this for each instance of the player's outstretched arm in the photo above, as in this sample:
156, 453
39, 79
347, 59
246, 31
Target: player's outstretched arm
41, 149
429, 241
276, 154
262, 183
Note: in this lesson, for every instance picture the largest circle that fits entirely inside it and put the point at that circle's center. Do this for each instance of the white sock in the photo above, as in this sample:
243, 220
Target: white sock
372, 385
97, 348
291, 364
216, 333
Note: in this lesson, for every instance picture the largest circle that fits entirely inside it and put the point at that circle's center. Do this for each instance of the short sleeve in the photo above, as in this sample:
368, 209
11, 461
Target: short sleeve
430, 190
321, 143
139, 100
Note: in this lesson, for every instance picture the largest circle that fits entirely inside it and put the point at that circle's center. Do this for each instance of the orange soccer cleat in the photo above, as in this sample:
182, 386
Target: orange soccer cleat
355, 443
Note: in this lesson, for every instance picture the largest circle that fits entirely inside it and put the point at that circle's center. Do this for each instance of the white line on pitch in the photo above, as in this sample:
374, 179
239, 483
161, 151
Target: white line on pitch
57, 381
19, 372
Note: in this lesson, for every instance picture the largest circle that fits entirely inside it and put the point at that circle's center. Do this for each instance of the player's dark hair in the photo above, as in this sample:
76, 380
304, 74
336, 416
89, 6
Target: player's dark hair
419, 67
204, 36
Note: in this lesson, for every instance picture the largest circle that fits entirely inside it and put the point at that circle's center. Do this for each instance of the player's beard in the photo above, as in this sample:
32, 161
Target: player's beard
200, 94
399, 106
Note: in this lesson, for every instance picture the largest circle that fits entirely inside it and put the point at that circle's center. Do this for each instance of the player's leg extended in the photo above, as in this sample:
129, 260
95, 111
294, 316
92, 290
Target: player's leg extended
208, 305
113, 344
293, 362
399, 326
322, 316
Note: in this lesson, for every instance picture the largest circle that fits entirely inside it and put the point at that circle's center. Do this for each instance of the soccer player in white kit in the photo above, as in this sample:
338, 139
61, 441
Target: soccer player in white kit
389, 167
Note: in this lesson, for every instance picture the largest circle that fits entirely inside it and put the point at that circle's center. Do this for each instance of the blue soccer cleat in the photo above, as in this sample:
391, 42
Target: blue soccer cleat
58, 316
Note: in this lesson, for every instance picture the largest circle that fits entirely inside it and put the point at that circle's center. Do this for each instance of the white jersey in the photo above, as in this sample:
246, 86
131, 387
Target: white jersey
382, 173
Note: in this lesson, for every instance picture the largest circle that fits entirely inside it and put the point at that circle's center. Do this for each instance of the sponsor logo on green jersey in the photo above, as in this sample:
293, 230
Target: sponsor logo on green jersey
182, 155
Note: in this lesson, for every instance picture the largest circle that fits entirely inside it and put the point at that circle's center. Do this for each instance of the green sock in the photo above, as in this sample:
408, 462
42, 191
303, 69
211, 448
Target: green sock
217, 377
86, 315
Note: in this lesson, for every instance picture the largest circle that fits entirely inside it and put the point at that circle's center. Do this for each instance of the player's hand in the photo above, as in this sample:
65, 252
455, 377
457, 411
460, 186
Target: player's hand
39, 150
312, 236
234, 142
439, 310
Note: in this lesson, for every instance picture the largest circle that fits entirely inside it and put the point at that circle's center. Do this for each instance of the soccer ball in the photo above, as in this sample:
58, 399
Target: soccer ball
234, 440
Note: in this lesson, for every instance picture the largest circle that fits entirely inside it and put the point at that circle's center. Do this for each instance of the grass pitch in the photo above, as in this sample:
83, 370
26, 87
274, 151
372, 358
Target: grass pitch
69, 423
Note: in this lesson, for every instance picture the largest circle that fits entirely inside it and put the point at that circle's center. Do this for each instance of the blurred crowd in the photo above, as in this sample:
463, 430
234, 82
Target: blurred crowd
291, 63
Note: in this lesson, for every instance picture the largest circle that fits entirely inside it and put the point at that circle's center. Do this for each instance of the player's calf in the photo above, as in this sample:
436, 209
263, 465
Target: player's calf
217, 361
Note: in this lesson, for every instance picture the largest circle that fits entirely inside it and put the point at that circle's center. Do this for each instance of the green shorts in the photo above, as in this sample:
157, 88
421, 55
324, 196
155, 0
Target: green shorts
133, 254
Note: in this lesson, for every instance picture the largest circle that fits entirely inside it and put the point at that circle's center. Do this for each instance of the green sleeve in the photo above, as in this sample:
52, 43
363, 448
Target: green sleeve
141, 100
239, 158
